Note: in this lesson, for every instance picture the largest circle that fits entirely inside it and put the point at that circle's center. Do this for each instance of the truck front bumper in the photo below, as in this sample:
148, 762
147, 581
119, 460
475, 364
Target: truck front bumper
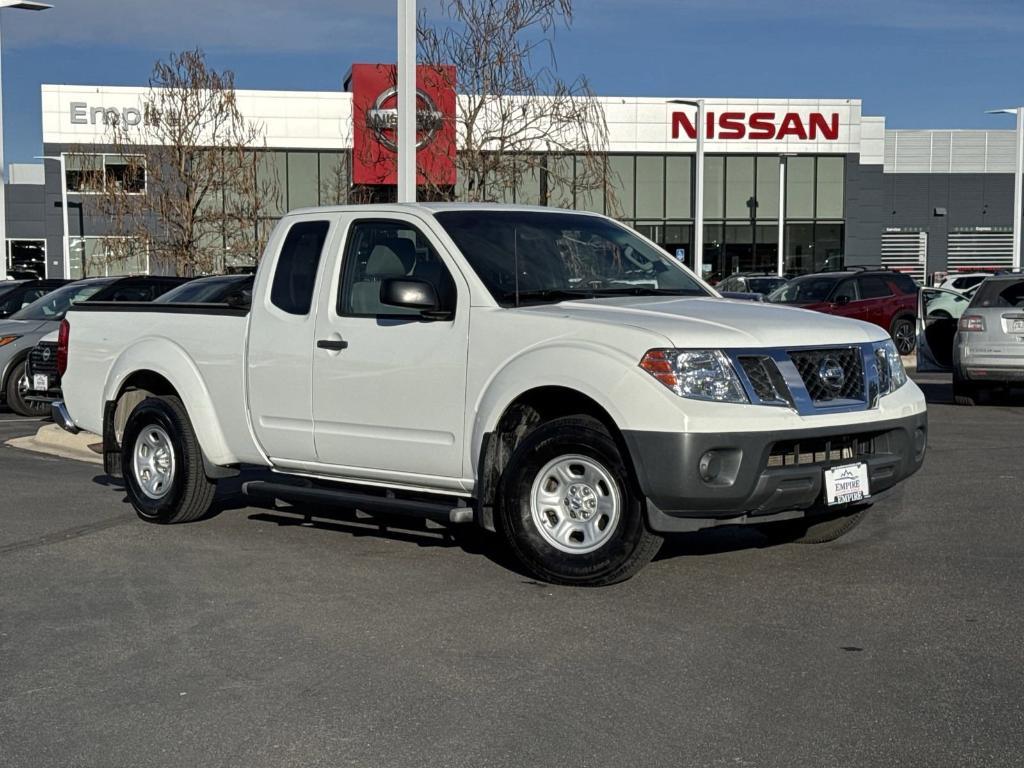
695, 481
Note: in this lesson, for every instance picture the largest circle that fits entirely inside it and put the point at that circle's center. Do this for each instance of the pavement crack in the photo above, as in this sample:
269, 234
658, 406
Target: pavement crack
67, 534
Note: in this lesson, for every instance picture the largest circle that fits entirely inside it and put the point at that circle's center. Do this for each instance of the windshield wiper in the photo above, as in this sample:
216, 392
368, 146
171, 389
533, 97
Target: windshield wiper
549, 294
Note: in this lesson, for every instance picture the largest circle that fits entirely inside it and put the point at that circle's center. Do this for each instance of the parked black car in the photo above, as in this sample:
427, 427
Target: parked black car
20, 333
15, 294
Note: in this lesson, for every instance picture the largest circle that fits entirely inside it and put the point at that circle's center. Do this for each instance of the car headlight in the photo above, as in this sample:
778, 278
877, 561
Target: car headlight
5, 340
891, 373
700, 374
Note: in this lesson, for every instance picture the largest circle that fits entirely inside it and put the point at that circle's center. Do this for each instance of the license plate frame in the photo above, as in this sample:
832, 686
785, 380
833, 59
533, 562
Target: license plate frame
40, 382
846, 484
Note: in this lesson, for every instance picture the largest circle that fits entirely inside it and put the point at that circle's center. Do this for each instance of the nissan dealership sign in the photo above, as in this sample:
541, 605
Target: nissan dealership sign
760, 126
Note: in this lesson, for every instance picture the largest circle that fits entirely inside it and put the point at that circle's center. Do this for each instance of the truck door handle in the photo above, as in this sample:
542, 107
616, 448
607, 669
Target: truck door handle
335, 345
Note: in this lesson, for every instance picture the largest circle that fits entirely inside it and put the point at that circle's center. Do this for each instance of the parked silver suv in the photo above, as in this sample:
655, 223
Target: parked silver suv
982, 341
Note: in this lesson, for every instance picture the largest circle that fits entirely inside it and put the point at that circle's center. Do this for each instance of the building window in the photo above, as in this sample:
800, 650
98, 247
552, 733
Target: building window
107, 257
800, 188
739, 188
91, 174
26, 257
650, 187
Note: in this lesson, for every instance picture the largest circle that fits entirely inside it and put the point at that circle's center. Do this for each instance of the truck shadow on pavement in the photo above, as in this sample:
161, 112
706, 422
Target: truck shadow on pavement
423, 533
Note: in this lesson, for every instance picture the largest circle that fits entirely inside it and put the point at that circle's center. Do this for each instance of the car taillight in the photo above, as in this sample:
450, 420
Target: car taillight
972, 323
63, 338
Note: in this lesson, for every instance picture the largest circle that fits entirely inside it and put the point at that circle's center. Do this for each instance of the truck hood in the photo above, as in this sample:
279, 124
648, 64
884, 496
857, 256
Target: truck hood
19, 327
697, 322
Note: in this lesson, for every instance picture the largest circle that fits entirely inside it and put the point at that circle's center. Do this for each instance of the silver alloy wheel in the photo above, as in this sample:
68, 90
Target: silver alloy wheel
153, 462
575, 504
904, 336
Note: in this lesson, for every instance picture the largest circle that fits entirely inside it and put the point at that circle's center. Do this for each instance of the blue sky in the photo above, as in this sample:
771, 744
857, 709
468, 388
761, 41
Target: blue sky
921, 63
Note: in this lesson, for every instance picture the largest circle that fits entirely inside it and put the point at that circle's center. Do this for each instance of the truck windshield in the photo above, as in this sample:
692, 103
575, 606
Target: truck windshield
530, 257
53, 306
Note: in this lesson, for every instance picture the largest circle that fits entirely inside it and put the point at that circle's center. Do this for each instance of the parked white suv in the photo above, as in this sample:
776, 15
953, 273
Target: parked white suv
550, 375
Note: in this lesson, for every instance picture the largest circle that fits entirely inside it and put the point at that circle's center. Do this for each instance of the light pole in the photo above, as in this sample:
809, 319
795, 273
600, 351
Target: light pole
1018, 179
698, 189
406, 139
783, 167
25, 6
66, 238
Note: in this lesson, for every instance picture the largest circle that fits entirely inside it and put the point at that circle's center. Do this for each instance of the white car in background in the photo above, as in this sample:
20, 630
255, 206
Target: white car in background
964, 281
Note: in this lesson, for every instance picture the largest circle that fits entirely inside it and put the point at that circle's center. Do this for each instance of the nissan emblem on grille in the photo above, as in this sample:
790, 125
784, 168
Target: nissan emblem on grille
831, 374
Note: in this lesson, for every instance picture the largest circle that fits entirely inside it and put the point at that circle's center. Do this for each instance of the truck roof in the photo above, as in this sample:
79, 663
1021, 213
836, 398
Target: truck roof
432, 208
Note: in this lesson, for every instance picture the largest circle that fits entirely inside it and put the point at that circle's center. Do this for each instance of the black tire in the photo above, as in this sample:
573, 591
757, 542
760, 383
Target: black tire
189, 492
904, 334
16, 391
965, 392
816, 530
622, 551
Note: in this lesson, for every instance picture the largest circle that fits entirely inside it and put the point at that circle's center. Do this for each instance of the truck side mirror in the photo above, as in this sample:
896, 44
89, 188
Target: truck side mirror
239, 299
408, 293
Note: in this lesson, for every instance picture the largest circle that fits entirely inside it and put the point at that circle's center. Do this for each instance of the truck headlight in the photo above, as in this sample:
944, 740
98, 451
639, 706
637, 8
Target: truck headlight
700, 374
891, 373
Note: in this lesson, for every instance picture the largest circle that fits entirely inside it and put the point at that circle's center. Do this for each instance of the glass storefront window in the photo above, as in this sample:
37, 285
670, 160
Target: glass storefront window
767, 192
830, 187
739, 187
622, 183
799, 248
271, 174
560, 176
714, 239
800, 188
590, 174
676, 238
678, 186
650, 186
828, 246
334, 183
766, 245
302, 180
714, 186
738, 250
528, 190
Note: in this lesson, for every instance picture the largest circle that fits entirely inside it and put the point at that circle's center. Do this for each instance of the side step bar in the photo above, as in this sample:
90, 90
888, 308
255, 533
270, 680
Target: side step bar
444, 513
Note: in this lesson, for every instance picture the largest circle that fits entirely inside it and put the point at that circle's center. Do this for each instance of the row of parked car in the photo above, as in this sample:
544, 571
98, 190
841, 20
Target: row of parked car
31, 311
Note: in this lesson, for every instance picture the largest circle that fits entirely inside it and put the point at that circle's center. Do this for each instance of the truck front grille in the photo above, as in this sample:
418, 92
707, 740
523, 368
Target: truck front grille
819, 369
825, 450
765, 379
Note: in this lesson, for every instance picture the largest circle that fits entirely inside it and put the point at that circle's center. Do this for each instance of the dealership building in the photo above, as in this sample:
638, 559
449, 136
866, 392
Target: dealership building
816, 179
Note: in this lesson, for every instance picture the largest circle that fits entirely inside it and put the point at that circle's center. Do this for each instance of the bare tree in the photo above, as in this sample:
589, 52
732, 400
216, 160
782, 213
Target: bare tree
518, 122
205, 194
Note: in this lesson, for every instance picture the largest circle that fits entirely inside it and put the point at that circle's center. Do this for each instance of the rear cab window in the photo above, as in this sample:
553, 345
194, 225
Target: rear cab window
1005, 294
297, 265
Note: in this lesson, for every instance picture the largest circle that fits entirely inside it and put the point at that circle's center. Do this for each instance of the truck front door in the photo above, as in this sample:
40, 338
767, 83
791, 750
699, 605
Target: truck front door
389, 383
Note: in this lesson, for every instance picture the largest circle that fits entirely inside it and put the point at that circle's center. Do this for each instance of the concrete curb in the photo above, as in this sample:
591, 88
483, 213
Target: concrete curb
54, 441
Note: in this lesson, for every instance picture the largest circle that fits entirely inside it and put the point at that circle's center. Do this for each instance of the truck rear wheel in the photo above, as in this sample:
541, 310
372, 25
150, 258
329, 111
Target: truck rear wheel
569, 508
162, 463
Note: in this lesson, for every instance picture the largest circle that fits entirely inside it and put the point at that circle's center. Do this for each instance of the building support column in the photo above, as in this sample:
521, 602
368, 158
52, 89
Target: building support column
406, 154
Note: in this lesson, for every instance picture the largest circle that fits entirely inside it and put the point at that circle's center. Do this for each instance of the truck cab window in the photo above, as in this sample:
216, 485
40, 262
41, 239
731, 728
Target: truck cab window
378, 250
295, 275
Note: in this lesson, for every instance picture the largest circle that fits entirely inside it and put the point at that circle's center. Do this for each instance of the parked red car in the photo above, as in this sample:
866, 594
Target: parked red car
879, 296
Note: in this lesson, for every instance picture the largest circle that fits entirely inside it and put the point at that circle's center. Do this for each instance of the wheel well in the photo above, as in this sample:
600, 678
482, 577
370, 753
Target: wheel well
11, 365
136, 388
522, 415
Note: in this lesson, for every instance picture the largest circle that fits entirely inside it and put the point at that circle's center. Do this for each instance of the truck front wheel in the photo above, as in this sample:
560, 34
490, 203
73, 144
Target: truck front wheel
162, 463
569, 508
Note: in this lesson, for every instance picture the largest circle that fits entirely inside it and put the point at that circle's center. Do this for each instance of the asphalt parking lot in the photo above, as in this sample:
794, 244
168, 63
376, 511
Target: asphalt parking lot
250, 639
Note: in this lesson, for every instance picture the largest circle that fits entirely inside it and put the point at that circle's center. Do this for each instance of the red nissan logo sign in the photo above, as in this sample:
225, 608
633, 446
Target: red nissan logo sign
760, 126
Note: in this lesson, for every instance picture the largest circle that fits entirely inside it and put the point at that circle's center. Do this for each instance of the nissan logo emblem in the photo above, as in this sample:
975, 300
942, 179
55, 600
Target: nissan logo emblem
383, 121
47, 354
831, 374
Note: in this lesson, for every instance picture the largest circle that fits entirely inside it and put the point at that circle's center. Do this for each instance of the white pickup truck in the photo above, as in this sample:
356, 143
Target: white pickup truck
549, 375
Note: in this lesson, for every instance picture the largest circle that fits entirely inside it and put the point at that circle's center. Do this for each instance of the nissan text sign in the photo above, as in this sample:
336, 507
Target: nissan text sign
760, 126
375, 124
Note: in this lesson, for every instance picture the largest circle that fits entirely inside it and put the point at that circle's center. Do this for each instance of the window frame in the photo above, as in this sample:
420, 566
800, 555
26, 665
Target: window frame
346, 281
103, 161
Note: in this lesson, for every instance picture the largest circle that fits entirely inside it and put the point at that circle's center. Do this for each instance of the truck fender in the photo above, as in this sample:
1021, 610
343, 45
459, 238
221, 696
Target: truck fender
162, 356
602, 374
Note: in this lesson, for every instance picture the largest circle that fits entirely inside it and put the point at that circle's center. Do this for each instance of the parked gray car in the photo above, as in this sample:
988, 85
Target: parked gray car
23, 330
981, 340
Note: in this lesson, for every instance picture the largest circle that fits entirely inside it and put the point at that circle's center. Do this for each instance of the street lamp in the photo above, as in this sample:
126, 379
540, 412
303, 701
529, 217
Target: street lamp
62, 158
698, 191
25, 6
1018, 179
